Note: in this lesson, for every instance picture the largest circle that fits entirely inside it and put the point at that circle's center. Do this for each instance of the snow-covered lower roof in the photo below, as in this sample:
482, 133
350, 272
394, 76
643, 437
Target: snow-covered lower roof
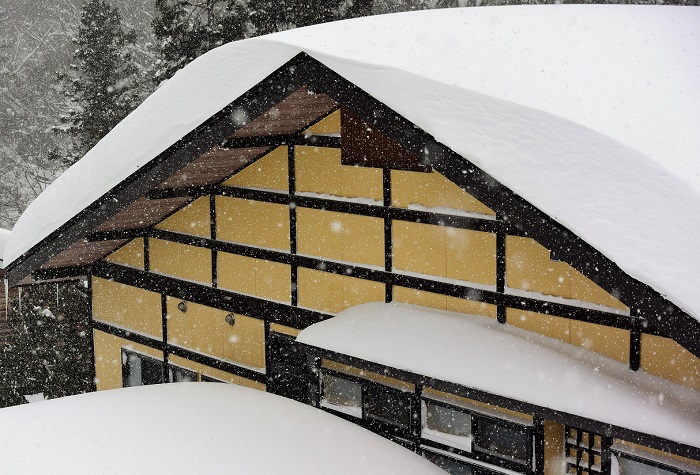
478, 352
4, 237
187, 428
589, 112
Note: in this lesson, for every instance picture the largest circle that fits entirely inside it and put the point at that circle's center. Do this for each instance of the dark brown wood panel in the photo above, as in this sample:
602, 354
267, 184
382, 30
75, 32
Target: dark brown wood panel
82, 253
367, 146
293, 114
142, 213
213, 166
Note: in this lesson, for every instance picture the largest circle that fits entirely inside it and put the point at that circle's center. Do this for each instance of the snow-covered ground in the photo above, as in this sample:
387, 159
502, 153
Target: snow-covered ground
188, 428
588, 112
479, 352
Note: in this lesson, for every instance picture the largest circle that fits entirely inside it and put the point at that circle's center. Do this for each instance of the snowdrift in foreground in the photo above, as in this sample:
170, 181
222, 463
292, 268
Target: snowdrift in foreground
189, 428
478, 352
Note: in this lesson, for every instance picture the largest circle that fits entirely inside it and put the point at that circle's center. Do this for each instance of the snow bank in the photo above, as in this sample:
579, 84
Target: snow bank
192, 428
478, 352
588, 112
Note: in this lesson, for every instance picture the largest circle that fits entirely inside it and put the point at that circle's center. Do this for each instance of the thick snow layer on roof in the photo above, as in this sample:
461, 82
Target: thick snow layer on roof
4, 237
479, 352
192, 428
588, 112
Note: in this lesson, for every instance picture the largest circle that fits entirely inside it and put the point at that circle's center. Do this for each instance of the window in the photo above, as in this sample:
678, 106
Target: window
209, 379
177, 374
342, 395
584, 451
140, 370
447, 425
634, 467
387, 405
503, 439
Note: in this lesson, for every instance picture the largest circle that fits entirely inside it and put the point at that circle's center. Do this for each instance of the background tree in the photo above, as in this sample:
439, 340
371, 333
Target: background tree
184, 30
49, 351
101, 84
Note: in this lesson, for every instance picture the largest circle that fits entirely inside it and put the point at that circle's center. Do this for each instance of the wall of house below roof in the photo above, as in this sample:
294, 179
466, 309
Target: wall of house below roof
180, 260
108, 358
666, 358
192, 219
126, 306
554, 461
269, 172
203, 370
205, 330
130, 254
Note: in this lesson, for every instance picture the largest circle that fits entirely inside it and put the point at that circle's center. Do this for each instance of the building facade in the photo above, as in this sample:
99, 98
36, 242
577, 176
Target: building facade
207, 264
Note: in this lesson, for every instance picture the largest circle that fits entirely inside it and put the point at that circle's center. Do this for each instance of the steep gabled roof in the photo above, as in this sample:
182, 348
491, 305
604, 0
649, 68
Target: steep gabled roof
609, 210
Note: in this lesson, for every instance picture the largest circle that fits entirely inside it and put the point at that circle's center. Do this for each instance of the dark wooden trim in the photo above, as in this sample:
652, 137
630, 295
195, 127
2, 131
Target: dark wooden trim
388, 239
146, 254
254, 307
213, 362
610, 430
93, 366
117, 234
501, 235
164, 323
292, 205
538, 432
212, 234
301, 139
61, 272
127, 335
648, 461
635, 348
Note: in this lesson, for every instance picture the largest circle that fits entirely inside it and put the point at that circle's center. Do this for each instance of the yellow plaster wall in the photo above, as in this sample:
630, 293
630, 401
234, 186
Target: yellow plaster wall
276, 327
554, 461
180, 260
443, 302
204, 329
432, 190
269, 172
192, 219
251, 276
319, 170
326, 126
252, 222
130, 254
360, 373
607, 341
108, 358
666, 358
444, 251
332, 293
127, 307
340, 236
528, 267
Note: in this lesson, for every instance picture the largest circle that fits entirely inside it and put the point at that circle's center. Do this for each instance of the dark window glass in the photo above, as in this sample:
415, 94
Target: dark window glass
209, 379
180, 375
501, 439
388, 405
341, 392
447, 420
142, 370
634, 467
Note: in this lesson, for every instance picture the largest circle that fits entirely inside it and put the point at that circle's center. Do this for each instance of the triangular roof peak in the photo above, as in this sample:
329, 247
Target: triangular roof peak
599, 205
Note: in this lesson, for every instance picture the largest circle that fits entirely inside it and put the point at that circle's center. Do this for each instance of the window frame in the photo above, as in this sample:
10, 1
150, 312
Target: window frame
126, 369
477, 452
621, 454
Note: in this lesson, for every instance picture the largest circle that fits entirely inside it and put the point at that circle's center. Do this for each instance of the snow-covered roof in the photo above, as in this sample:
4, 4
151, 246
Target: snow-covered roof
4, 237
588, 112
512, 362
192, 428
